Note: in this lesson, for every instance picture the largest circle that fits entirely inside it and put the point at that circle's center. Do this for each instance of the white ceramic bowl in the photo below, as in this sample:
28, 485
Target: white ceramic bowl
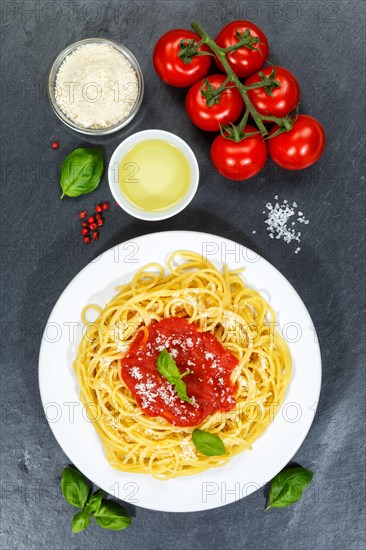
121, 151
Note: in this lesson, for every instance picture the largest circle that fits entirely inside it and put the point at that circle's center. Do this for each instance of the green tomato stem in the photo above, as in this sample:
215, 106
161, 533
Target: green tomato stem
254, 85
243, 90
243, 122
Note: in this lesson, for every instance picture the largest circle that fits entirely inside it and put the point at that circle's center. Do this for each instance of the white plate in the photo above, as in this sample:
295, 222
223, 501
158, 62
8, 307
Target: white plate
244, 473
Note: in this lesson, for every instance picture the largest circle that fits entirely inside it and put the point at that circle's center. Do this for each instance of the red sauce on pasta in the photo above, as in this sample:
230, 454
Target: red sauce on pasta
208, 384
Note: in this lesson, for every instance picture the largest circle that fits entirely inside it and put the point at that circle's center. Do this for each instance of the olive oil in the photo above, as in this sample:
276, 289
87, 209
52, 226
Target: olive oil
154, 175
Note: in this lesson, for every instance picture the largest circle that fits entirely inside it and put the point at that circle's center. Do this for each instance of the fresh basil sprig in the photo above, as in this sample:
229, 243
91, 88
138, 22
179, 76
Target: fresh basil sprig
168, 368
81, 172
287, 487
107, 513
208, 444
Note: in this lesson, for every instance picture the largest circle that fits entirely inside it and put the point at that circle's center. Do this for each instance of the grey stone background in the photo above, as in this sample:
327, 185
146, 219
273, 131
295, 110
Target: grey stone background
322, 43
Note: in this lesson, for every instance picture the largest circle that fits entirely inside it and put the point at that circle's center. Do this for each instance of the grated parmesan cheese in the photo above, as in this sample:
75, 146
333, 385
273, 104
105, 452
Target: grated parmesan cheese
122, 347
96, 86
188, 451
136, 373
105, 362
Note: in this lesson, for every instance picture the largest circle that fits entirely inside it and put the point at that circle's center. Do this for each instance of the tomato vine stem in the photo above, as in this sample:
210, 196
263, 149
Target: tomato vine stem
258, 118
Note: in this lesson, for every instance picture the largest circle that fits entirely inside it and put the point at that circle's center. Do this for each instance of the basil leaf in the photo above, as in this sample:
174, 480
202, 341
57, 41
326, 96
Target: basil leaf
287, 487
112, 516
208, 444
182, 391
168, 368
80, 521
94, 502
81, 172
74, 487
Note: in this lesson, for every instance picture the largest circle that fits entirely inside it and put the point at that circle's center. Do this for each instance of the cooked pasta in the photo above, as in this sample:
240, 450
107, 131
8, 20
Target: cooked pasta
216, 303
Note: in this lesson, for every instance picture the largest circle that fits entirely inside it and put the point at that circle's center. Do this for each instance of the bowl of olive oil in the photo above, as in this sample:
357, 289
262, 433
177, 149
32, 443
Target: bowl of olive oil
153, 175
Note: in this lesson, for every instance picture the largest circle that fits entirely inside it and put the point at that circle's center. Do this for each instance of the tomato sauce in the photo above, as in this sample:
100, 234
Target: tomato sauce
208, 383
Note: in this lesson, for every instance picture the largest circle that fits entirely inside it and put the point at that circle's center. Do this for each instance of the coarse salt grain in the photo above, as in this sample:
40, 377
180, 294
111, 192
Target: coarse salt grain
278, 221
96, 86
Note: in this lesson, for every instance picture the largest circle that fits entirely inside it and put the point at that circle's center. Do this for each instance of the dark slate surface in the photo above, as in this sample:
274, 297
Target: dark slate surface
322, 43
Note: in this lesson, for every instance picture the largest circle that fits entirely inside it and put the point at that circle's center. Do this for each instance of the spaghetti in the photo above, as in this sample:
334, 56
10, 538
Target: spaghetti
216, 303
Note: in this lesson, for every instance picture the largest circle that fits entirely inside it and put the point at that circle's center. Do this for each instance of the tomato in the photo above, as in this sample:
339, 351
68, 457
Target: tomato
171, 68
230, 104
243, 61
282, 100
239, 160
300, 147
